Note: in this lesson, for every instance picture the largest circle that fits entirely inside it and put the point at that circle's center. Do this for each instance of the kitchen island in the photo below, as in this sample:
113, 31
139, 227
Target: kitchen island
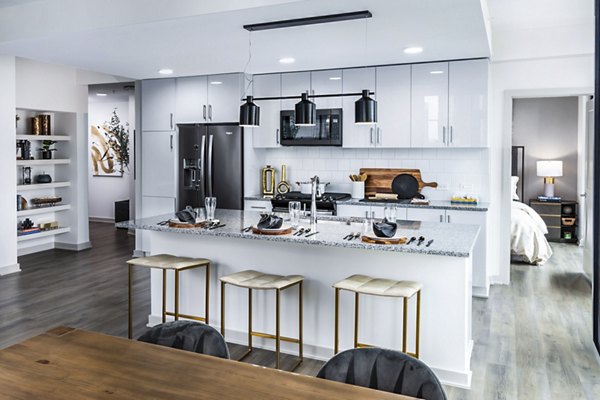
444, 269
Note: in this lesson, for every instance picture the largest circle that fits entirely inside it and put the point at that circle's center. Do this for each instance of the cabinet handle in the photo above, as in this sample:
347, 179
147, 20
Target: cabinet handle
451, 133
441, 218
258, 208
444, 134
210, 112
204, 112
371, 132
378, 136
171, 120
171, 143
448, 218
277, 136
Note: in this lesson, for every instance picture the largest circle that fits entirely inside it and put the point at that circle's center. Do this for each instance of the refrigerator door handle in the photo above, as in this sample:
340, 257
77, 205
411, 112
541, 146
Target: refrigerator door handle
201, 164
209, 166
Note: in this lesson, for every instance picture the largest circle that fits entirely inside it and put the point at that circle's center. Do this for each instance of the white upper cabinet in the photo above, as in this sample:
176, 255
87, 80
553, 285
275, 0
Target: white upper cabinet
294, 84
158, 105
354, 81
224, 97
429, 105
158, 164
468, 103
393, 106
267, 134
327, 82
192, 100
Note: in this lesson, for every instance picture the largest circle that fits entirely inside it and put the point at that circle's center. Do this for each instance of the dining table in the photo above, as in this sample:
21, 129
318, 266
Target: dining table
69, 363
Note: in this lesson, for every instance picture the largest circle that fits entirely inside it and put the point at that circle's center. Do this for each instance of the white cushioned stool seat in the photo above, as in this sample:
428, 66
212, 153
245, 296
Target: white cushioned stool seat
378, 287
257, 280
166, 261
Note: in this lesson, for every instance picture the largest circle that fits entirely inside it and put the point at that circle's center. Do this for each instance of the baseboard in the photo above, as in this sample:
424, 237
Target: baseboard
102, 219
496, 280
461, 379
481, 292
35, 249
139, 254
73, 246
10, 269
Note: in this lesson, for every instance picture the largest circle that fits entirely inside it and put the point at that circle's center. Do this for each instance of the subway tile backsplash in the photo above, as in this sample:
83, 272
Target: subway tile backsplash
455, 170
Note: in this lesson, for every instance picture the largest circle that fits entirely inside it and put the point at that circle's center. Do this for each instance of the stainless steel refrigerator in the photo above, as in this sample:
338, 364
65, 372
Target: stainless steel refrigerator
211, 162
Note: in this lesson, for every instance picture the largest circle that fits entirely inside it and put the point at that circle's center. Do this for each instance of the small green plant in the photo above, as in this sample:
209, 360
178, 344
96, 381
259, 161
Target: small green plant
47, 145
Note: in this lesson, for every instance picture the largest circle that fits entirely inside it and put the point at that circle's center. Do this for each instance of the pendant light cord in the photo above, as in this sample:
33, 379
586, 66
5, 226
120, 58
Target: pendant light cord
249, 80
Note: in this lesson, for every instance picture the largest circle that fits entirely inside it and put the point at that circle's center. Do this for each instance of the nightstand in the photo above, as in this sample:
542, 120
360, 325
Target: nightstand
560, 217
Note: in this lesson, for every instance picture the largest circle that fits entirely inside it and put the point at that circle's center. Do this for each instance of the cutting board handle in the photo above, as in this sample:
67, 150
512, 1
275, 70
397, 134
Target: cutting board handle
429, 184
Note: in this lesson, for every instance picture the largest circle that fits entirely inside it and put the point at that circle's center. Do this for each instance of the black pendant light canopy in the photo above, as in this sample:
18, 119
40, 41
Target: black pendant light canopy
249, 114
306, 112
365, 109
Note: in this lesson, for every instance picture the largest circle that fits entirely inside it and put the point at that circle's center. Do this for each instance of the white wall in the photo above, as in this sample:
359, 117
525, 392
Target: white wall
104, 191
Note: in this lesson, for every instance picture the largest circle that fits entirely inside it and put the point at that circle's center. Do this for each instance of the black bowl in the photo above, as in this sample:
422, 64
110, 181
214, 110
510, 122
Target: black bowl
186, 216
268, 221
385, 229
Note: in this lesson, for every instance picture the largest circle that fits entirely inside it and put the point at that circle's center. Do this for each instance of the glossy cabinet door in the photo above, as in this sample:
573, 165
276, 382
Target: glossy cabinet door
354, 81
158, 164
468, 103
158, 105
426, 214
294, 84
327, 82
224, 98
393, 106
429, 105
352, 210
267, 134
191, 100
258, 205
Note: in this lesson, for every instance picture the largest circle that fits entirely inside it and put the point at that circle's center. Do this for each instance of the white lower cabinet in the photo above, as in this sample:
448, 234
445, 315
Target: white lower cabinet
425, 214
352, 210
258, 205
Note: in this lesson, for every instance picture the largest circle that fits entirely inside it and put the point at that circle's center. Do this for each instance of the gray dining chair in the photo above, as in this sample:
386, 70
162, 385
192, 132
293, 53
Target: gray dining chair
189, 336
387, 370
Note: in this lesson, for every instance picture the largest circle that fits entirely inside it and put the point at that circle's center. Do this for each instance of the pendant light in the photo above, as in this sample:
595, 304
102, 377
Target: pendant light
306, 112
365, 108
249, 112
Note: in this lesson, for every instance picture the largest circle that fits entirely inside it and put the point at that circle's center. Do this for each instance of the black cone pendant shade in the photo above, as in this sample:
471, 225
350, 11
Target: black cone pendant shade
306, 112
249, 114
365, 109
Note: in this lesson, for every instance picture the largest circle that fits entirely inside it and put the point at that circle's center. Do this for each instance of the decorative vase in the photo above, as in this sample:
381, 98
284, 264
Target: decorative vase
46, 154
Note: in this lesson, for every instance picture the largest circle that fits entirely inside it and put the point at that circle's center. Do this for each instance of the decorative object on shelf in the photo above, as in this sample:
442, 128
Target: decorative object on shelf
305, 112
268, 182
48, 226
110, 148
43, 178
27, 224
22, 203
23, 150
549, 170
19, 205
36, 125
17, 119
49, 201
249, 112
283, 186
26, 175
47, 149
46, 124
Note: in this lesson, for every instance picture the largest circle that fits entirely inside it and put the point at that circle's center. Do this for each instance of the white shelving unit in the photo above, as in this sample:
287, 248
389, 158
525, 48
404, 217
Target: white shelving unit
43, 234
43, 210
30, 163
57, 138
38, 186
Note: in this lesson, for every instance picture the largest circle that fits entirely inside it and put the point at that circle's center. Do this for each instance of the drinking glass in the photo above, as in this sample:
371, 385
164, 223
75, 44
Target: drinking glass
294, 208
200, 214
210, 204
390, 212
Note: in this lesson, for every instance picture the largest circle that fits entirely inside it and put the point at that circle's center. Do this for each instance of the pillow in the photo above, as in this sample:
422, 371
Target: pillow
513, 187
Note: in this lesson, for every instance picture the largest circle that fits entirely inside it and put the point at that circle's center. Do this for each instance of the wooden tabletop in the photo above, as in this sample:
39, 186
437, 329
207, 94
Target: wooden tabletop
77, 364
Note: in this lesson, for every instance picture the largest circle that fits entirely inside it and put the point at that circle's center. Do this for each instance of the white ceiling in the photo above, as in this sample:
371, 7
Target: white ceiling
10, 3
527, 14
135, 43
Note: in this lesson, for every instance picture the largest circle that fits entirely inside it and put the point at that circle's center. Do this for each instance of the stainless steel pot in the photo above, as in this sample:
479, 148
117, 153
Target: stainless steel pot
306, 187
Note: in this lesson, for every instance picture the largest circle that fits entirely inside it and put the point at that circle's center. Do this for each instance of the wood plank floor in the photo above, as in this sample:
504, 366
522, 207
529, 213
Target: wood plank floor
532, 338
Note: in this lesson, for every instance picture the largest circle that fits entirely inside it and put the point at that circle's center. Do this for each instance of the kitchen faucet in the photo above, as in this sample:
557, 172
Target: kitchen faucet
314, 191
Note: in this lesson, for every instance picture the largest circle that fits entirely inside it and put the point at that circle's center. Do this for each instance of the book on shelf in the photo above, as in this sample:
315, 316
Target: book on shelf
550, 199
29, 231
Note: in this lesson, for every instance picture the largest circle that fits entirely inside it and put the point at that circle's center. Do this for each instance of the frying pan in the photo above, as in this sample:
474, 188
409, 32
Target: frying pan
406, 186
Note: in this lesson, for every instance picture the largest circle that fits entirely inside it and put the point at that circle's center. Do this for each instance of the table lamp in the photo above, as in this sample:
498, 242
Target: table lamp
549, 170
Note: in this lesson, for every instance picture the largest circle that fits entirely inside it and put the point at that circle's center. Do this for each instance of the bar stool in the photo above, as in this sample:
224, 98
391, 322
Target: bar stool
257, 280
177, 264
362, 284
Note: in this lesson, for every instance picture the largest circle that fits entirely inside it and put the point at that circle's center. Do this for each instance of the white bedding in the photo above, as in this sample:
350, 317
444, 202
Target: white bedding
527, 240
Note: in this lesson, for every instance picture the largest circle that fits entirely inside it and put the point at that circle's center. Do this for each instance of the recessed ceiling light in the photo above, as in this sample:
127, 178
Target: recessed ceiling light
413, 50
165, 71
216, 83
101, 94
436, 72
287, 60
335, 78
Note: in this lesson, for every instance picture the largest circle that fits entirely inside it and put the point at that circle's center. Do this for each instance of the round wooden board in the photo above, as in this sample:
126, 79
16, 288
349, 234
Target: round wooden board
184, 225
400, 240
286, 231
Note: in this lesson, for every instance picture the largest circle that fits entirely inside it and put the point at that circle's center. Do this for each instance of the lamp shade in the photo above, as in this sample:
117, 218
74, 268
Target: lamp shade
365, 109
549, 168
249, 114
306, 112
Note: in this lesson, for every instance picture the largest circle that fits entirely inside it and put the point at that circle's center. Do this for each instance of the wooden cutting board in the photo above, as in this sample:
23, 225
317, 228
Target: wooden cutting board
379, 180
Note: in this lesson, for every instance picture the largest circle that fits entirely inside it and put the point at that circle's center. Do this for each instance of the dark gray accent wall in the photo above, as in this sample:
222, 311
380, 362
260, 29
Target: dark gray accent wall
547, 127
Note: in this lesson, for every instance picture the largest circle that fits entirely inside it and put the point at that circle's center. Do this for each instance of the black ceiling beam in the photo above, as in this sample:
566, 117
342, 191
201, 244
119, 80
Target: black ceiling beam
322, 19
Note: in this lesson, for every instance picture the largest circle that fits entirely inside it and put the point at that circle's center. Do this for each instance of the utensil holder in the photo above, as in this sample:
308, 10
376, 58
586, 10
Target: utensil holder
358, 190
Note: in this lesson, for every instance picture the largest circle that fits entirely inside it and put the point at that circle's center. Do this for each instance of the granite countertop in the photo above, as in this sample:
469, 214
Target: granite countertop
449, 239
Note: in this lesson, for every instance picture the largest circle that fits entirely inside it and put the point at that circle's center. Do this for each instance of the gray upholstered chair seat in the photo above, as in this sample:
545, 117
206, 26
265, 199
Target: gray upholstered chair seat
387, 370
189, 336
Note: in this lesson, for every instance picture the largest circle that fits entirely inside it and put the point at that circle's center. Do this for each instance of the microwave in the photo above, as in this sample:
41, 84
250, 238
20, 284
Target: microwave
326, 132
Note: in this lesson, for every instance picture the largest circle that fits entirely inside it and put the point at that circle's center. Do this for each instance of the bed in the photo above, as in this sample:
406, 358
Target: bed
527, 231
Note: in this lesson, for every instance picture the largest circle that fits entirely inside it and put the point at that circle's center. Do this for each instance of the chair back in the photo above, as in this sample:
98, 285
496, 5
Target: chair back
387, 370
189, 336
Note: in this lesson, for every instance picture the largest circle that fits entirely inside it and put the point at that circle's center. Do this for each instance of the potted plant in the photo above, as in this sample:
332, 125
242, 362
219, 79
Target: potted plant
47, 149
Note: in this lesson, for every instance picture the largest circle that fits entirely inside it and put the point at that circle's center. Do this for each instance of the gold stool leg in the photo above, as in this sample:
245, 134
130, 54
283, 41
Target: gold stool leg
249, 320
300, 342
206, 294
176, 295
336, 335
164, 296
356, 320
130, 329
277, 332
222, 308
418, 324
404, 323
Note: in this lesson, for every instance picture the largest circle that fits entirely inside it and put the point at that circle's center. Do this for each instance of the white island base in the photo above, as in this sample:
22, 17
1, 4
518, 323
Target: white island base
445, 310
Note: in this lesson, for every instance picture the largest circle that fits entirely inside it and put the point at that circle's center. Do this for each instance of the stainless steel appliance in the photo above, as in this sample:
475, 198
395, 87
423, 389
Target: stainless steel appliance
326, 204
326, 132
211, 162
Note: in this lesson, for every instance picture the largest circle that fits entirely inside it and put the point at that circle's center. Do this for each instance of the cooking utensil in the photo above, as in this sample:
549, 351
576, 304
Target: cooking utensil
421, 240
429, 243
412, 239
311, 234
306, 187
379, 180
406, 186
